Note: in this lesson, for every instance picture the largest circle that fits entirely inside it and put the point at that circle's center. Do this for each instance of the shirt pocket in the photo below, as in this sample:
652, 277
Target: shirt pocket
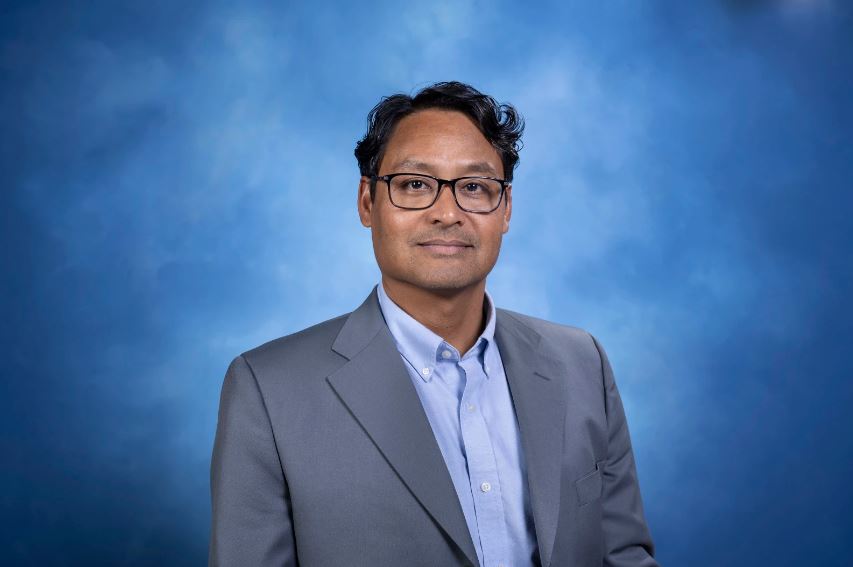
589, 485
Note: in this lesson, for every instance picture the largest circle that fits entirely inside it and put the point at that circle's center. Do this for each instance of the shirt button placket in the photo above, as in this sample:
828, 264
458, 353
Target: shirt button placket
482, 468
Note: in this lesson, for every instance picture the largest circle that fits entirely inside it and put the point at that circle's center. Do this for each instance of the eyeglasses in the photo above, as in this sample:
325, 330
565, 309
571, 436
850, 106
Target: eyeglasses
416, 191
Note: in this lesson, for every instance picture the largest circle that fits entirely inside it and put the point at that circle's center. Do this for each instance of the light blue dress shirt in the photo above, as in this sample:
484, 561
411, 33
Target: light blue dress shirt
468, 404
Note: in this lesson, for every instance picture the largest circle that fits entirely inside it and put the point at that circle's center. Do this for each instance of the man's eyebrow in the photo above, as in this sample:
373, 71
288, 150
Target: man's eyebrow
481, 166
473, 167
413, 164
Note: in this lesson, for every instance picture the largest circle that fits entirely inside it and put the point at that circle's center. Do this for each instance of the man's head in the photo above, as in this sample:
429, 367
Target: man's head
447, 131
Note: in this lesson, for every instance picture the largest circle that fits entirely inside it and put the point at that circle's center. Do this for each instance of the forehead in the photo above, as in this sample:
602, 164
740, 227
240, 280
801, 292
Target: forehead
440, 139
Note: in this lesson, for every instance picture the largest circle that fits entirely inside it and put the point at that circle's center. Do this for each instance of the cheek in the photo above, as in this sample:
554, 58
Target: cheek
491, 240
390, 240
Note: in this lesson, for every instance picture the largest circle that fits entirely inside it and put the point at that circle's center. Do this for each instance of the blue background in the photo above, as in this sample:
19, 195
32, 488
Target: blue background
179, 187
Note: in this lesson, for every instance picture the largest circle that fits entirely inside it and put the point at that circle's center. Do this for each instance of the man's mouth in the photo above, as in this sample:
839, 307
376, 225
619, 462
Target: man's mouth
445, 247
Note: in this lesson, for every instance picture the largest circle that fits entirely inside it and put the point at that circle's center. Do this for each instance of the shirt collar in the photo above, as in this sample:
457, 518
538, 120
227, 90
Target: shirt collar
422, 348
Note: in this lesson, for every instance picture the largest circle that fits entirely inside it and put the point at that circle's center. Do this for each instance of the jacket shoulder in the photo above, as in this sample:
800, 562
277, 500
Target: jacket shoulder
551, 330
566, 343
303, 350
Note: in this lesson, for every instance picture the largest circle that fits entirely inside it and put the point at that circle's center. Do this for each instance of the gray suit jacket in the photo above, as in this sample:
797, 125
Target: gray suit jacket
324, 455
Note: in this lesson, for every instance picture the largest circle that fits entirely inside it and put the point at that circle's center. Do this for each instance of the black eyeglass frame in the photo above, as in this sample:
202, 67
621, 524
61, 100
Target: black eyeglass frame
441, 183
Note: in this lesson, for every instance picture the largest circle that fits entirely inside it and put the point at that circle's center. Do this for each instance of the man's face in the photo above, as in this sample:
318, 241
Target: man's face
444, 144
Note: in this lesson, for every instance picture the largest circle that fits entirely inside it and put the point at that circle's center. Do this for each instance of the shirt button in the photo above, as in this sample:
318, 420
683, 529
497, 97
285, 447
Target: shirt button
425, 371
471, 407
485, 487
446, 354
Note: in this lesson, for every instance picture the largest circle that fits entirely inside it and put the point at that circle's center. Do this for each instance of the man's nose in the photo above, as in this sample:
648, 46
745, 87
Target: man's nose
445, 208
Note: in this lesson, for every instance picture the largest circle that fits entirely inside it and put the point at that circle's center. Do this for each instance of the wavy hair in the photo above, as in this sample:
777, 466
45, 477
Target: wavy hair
501, 124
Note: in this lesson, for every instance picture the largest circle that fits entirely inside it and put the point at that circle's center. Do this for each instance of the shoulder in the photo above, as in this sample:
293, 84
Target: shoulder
302, 350
550, 330
561, 342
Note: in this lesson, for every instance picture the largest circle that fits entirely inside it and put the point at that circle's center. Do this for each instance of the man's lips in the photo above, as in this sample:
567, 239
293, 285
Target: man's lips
436, 242
445, 247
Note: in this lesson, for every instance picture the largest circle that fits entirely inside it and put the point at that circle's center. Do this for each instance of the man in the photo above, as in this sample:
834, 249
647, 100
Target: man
428, 427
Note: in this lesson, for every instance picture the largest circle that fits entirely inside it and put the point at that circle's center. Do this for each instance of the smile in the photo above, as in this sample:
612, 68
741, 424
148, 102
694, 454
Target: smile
445, 249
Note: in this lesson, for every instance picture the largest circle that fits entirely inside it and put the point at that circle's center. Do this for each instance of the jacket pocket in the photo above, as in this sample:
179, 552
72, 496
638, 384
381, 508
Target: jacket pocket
589, 485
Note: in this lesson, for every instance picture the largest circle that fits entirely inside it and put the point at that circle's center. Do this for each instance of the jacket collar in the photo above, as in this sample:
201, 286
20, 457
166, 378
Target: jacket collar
421, 347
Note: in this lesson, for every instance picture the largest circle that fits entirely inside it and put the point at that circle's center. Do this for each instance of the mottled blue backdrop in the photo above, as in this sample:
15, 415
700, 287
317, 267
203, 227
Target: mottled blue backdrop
179, 186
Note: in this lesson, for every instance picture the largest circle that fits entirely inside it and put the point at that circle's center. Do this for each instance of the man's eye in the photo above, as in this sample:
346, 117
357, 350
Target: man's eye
473, 187
415, 185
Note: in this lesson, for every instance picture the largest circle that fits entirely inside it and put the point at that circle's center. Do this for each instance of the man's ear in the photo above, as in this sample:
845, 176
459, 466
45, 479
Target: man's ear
507, 208
365, 204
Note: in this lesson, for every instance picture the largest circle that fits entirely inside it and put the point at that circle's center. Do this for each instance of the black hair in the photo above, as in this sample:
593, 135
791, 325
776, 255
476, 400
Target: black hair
501, 124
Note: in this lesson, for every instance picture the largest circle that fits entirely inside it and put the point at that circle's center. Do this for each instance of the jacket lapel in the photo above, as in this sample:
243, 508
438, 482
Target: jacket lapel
377, 389
540, 408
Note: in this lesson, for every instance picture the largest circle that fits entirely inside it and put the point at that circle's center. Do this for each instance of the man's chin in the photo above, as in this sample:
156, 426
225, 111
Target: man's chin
447, 283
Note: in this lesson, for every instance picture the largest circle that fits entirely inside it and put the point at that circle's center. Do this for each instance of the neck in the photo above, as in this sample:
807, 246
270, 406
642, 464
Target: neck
458, 316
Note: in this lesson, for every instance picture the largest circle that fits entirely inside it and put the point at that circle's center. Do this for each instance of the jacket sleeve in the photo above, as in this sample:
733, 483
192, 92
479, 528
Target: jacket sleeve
251, 521
627, 541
